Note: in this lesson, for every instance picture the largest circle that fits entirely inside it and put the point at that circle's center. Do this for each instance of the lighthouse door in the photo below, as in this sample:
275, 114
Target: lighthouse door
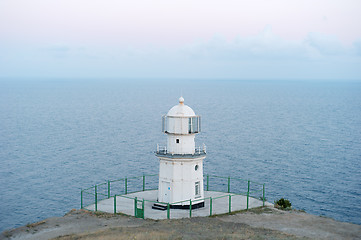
166, 192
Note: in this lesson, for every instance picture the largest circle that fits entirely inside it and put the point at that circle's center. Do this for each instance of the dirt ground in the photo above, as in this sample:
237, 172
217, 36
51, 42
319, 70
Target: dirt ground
265, 223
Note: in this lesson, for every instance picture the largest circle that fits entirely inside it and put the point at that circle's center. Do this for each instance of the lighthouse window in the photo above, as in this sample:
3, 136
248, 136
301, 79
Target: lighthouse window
190, 128
197, 188
177, 140
196, 167
194, 124
164, 124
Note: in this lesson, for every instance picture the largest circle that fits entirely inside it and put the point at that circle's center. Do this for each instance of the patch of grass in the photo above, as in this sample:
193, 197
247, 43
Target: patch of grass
103, 214
77, 212
107, 215
121, 214
257, 210
283, 204
260, 210
299, 210
7, 234
31, 225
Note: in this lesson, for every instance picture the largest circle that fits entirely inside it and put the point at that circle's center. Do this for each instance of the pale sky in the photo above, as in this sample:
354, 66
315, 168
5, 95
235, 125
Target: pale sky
255, 39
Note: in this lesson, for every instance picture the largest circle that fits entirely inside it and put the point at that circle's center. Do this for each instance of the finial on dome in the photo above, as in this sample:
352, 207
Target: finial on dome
181, 100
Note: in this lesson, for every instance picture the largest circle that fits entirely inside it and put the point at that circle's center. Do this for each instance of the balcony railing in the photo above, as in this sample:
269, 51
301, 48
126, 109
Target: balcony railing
162, 150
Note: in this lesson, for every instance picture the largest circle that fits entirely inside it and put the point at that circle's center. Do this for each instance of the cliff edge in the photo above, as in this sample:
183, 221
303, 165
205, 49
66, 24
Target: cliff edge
261, 223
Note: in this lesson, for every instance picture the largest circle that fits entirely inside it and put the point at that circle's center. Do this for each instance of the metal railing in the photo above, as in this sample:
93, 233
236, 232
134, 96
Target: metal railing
122, 187
162, 150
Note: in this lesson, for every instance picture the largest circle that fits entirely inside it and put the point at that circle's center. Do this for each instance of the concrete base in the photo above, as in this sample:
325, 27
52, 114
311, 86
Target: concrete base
220, 205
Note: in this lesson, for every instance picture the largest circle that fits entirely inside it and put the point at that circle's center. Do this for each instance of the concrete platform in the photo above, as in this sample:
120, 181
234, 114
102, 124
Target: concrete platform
125, 205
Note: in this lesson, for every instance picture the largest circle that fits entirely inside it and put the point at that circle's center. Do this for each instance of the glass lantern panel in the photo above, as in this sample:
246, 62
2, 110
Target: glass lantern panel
194, 124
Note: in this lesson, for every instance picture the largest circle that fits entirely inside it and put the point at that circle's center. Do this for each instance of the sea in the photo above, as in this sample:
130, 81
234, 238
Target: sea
58, 136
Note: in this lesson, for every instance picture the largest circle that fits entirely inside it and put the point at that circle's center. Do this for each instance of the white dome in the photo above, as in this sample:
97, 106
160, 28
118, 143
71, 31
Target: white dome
181, 110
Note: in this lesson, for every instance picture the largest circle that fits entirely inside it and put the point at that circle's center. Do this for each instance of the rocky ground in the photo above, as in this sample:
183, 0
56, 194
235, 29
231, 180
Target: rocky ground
263, 223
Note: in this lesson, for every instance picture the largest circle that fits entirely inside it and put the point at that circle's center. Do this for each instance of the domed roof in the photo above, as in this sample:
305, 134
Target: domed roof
181, 110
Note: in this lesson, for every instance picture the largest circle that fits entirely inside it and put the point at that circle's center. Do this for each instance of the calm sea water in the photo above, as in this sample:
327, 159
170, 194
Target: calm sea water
303, 139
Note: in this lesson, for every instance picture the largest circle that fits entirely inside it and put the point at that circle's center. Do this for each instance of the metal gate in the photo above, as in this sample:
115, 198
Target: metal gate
139, 208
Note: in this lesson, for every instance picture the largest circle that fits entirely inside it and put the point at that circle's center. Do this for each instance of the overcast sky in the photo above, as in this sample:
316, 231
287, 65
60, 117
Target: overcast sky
233, 39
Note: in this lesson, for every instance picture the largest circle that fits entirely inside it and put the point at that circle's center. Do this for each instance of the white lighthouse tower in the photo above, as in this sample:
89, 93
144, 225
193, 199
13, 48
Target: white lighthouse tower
180, 162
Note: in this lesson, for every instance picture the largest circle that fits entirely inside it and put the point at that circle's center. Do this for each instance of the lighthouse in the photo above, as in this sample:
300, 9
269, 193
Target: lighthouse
180, 161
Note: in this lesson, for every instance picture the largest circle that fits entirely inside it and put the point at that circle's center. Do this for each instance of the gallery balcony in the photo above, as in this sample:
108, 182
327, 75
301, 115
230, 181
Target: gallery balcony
162, 151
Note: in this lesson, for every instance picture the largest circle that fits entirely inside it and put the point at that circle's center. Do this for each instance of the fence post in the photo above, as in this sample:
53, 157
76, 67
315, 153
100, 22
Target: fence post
143, 208
135, 206
229, 204
143, 183
96, 198
248, 195
190, 208
126, 185
263, 194
115, 204
229, 183
81, 199
168, 214
210, 206
108, 189
207, 182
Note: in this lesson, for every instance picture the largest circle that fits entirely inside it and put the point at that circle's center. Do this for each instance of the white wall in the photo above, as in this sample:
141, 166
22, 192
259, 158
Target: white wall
182, 176
186, 144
